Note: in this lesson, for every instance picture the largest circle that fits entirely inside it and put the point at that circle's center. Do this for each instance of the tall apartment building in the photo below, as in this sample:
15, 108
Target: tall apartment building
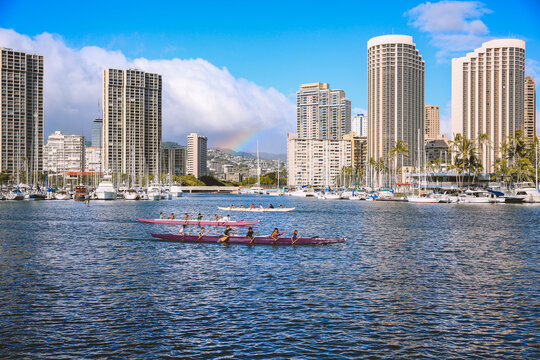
395, 97
64, 153
92, 159
529, 123
97, 133
316, 162
359, 125
321, 112
173, 160
432, 122
488, 94
131, 122
21, 111
196, 155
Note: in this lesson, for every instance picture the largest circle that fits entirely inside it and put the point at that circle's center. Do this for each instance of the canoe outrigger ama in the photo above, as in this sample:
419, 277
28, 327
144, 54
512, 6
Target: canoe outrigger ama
258, 240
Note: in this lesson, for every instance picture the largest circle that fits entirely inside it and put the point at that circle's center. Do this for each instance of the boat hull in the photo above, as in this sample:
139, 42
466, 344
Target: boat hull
259, 240
200, 223
256, 209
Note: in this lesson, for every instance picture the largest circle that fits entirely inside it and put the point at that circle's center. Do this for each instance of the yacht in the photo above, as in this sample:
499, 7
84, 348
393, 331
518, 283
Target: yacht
477, 197
302, 193
527, 192
153, 192
131, 194
62, 195
328, 196
176, 190
424, 199
106, 190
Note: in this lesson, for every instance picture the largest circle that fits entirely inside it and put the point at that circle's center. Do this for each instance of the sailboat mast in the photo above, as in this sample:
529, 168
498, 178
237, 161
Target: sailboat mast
258, 167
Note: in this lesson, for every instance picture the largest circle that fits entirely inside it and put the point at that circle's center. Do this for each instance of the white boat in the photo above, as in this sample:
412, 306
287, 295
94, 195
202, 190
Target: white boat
328, 196
259, 209
425, 199
14, 195
153, 192
131, 194
62, 195
176, 190
527, 192
302, 193
106, 190
476, 197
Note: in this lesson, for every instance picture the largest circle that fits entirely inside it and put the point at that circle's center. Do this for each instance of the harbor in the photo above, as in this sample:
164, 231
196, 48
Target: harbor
90, 281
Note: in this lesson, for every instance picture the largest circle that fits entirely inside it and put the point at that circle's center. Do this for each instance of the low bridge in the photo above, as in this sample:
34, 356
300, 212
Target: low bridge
219, 189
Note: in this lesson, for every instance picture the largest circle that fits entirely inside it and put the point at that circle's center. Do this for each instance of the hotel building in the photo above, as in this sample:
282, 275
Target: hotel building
64, 153
131, 122
529, 124
359, 125
21, 111
196, 155
173, 160
488, 94
321, 112
395, 97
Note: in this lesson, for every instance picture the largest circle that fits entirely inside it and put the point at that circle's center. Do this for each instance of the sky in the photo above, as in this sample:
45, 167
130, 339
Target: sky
231, 69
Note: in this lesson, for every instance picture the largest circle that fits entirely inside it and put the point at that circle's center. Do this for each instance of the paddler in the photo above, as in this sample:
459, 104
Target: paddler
294, 237
251, 235
182, 231
226, 234
201, 233
199, 217
186, 217
275, 235
172, 216
216, 217
161, 216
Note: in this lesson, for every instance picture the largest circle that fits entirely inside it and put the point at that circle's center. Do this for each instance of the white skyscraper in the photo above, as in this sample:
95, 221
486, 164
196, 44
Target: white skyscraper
395, 97
196, 155
359, 125
21, 112
488, 94
64, 153
321, 112
131, 122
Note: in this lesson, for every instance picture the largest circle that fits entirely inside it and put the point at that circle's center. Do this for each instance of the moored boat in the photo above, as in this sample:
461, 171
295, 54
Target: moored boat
81, 193
257, 209
200, 222
258, 240
62, 195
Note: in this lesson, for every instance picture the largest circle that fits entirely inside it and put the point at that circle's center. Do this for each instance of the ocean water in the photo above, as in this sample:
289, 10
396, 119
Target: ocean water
412, 281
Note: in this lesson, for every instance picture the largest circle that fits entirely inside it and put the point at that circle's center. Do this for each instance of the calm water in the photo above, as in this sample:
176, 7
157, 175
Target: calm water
413, 280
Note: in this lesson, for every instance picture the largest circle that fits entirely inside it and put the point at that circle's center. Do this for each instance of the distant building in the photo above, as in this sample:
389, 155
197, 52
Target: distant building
131, 122
316, 162
173, 161
358, 149
97, 133
228, 168
529, 126
64, 153
395, 92
359, 125
322, 113
438, 149
21, 111
196, 155
432, 121
236, 177
92, 162
487, 94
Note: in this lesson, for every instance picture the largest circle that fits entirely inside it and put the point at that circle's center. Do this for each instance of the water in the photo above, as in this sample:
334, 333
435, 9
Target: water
413, 280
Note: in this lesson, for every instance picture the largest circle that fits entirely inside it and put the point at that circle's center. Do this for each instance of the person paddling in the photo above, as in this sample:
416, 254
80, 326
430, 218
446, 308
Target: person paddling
199, 217
251, 235
226, 234
161, 216
275, 235
182, 231
172, 216
201, 233
216, 217
186, 217
294, 237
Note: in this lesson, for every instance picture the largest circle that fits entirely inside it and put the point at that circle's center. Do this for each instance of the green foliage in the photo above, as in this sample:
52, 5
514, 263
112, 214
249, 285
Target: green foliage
190, 180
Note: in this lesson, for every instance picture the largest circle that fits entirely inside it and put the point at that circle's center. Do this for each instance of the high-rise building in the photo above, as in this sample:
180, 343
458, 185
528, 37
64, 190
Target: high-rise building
97, 133
395, 98
21, 111
359, 125
316, 162
487, 94
173, 160
432, 122
92, 159
196, 155
529, 125
321, 112
64, 153
131, 122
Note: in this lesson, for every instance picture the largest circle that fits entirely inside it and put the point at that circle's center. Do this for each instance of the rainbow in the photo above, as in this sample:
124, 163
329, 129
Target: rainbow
241, 141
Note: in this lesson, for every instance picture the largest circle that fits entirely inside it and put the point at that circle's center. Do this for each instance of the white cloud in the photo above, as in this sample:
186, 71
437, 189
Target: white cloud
197, 96
358, 110
454, 26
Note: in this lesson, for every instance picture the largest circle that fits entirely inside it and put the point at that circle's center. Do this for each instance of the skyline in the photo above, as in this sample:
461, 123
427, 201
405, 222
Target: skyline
233, 76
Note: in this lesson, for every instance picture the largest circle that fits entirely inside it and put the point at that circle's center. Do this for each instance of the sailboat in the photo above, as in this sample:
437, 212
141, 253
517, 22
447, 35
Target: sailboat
257, 189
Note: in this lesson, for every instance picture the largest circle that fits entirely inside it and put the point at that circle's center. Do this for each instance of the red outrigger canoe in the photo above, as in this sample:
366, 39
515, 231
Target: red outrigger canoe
200, 222
259, 240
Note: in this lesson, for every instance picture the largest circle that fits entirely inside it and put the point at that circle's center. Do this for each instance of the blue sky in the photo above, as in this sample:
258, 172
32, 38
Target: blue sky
272, 45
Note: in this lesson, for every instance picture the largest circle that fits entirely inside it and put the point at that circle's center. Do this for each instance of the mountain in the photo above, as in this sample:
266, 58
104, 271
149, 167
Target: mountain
262, 155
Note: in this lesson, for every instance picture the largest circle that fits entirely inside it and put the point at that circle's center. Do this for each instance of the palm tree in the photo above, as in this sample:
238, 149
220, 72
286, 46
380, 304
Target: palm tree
483, 139
400, 149
372, 164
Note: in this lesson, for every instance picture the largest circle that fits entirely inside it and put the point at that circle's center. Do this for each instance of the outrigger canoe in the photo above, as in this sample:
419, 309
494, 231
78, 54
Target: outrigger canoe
259, 209
259, 240
200, 222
